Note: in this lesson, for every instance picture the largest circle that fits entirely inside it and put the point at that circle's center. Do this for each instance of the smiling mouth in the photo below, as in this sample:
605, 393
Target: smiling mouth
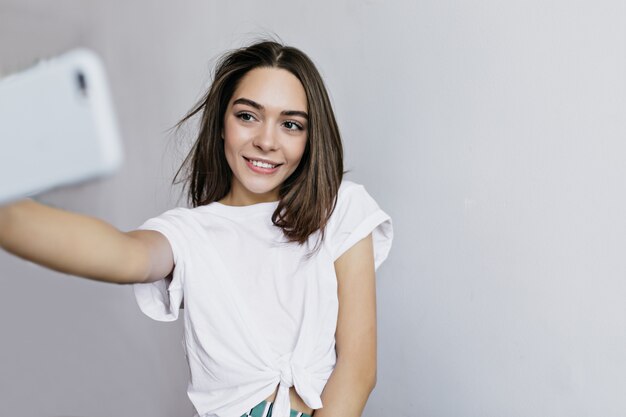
261, 164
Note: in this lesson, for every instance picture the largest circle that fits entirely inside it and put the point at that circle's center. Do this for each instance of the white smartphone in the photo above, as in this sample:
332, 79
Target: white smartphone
57, 126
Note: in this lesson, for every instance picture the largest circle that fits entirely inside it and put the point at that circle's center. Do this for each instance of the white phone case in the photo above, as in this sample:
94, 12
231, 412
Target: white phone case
57, 126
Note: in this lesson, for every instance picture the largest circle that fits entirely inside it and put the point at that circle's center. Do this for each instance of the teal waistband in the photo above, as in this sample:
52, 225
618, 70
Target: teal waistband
259, 410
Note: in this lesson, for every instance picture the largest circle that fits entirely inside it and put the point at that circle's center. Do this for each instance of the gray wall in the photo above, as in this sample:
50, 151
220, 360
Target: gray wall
493, 134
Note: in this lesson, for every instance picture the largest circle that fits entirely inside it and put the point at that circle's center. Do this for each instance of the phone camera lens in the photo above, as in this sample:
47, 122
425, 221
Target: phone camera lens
82, 82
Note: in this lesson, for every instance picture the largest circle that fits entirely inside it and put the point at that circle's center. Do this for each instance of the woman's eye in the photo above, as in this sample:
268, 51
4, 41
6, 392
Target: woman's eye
246, 117
292, 125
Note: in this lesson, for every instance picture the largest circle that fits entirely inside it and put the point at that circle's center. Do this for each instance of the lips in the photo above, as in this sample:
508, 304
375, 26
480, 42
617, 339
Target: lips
261, 170
267, 161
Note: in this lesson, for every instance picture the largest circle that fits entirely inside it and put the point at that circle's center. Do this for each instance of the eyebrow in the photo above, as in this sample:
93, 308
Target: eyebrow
260, 107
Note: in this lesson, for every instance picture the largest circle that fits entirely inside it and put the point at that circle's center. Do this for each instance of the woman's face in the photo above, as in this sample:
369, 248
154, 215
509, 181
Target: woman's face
265, 123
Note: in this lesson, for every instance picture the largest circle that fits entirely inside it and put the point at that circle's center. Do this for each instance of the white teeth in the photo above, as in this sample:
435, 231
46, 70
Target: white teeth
262, 164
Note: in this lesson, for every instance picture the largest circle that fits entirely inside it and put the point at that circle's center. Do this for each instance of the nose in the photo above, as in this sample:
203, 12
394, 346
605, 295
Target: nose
266, 138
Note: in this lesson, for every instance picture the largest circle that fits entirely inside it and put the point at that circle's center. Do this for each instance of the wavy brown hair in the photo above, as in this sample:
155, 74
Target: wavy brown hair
308, 196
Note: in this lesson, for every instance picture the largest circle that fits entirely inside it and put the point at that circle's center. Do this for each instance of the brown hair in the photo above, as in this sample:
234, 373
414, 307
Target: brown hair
308, 195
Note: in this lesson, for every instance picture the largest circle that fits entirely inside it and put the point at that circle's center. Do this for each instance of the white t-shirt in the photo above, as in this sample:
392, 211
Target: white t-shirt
257, 313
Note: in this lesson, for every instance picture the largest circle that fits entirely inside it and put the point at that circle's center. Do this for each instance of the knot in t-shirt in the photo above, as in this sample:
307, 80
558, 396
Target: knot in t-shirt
286, 375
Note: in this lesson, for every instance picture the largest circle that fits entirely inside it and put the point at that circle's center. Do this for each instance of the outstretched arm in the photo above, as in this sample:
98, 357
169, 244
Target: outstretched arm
82, 245
354, 376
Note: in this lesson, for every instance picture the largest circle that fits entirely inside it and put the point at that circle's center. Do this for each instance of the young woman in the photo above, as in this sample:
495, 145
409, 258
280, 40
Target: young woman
275, 259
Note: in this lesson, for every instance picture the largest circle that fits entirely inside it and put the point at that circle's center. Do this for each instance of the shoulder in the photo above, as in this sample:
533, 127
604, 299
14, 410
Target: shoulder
356, 215
348, 186
170, 222
348, 206
347, 191
176, 214
179, 212
352, 195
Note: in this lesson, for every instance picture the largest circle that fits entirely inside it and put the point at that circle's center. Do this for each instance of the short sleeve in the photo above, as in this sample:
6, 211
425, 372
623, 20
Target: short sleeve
161, 300
355, 216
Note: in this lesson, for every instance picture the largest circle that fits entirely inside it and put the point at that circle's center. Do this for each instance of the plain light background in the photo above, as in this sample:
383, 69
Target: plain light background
492, 132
